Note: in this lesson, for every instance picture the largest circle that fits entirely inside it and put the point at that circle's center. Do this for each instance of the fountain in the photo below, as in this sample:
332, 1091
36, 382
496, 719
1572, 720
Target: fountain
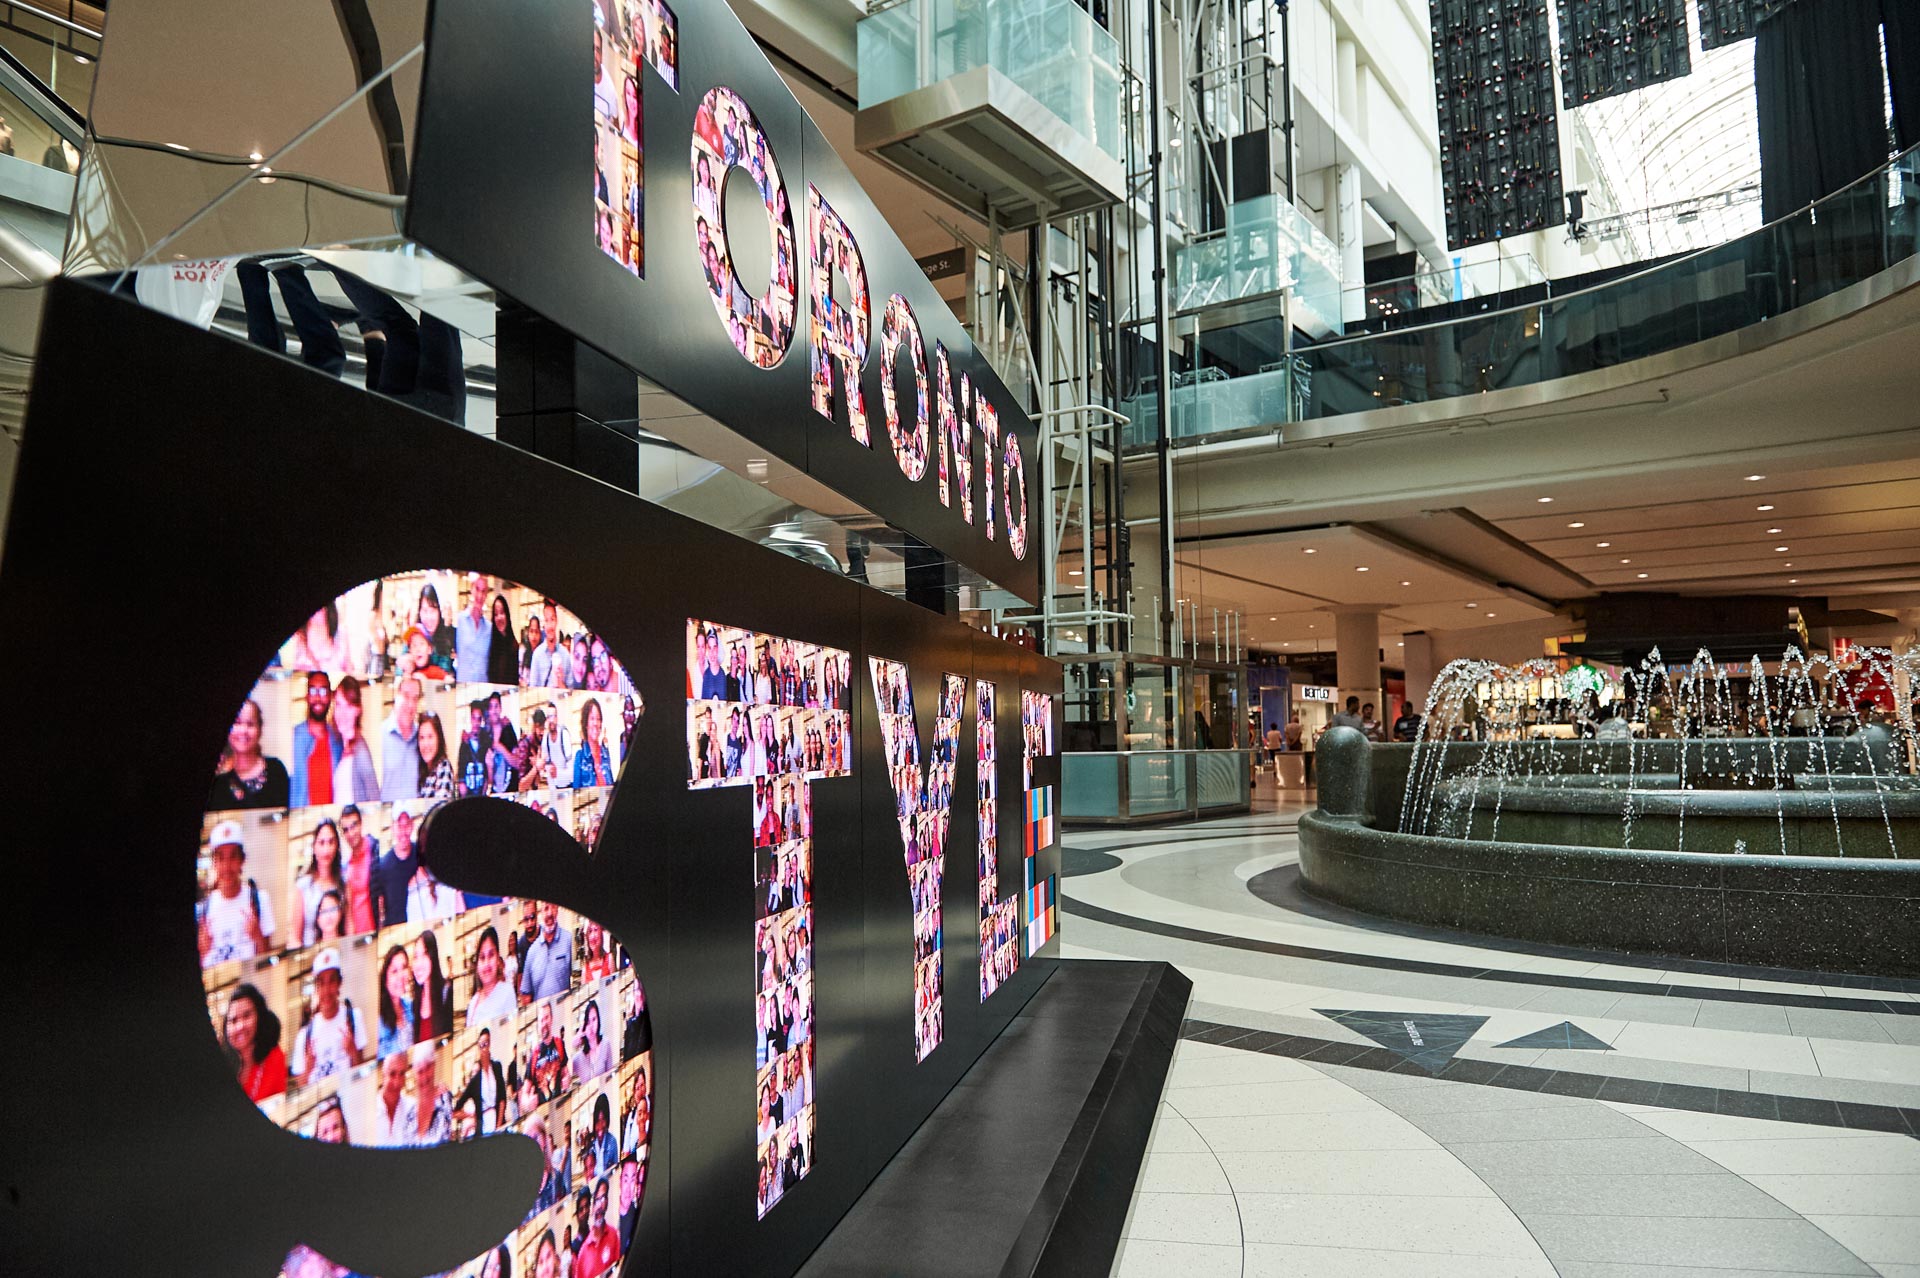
1755, 812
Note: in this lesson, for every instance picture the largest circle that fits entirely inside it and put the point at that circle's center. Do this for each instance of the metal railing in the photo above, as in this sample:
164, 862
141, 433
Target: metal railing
1836, 242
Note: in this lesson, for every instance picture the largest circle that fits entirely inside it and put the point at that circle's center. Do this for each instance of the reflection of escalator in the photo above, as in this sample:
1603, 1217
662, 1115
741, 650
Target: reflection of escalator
40, 139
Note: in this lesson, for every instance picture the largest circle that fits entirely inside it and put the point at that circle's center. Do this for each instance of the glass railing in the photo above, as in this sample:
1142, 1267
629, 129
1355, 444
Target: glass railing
1120, 787
1053, 49
1839, 241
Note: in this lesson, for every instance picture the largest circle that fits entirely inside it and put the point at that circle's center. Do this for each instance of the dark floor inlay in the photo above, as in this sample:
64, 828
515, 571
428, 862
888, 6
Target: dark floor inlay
1428, 1039
1565, 1034
1634, 1091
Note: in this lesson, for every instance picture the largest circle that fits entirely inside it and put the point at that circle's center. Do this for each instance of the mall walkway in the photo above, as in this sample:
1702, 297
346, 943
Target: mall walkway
1717, 1122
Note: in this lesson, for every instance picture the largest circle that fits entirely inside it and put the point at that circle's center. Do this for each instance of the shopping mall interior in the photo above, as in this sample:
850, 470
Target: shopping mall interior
1443, 542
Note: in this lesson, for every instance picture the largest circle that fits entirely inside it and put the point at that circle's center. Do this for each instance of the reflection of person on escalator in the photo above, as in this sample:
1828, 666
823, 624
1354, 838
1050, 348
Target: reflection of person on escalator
417, 361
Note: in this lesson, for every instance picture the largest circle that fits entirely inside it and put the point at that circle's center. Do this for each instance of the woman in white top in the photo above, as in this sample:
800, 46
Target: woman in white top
493, 998
595, 1055
321, 876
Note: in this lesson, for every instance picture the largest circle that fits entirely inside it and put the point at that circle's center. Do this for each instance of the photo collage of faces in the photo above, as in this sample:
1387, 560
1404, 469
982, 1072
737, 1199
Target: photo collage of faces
1042, 904
839, 328
999, 920
625, 33
955, 427
726, 134
897, 327
924, 810
773, 713
357, 998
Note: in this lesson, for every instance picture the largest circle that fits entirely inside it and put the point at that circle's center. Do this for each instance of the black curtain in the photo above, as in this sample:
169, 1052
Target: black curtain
1902, 22
1819, 90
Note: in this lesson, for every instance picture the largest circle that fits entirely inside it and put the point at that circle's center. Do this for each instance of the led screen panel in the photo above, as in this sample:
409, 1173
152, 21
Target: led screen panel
358, 999
1499, 144
1725, 22
1608, 47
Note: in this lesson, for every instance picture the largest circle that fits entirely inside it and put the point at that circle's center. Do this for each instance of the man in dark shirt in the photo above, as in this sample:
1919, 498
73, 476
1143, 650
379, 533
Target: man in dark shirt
475, 744
629, 1201
392, 871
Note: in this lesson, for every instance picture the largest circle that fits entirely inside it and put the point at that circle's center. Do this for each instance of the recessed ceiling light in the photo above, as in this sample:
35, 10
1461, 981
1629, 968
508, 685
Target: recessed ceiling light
178, 146
1309, 551
1643, 576
1073, 572
255, 156
1780, 550
1406, 583
1776, 530
1473, 605
1578, 523
1765, 507
1754, 479
1787, 564
1273, 618
1603, 544
1543, 500
1363, 568
1793, 581
1489, 614
1401, 644
1626, 561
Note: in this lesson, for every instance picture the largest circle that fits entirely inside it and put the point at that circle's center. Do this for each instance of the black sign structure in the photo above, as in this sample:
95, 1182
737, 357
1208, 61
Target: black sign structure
1499, 139
505, 187
173, 541
1608, 47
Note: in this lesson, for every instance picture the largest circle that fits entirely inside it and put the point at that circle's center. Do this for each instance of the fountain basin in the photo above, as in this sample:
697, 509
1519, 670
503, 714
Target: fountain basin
1855, 914
1852, 818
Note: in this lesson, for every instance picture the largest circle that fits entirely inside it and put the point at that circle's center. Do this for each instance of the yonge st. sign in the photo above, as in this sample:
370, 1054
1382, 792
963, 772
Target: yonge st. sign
631, 248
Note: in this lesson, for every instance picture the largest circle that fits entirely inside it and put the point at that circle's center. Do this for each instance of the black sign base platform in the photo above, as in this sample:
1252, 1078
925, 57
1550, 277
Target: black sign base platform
1028, 1165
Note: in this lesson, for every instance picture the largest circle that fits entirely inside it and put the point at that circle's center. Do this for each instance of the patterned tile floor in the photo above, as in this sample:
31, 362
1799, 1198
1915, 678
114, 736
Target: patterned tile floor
1739, 1122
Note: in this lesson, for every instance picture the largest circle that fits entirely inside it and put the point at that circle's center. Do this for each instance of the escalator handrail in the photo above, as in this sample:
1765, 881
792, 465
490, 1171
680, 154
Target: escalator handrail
61, 116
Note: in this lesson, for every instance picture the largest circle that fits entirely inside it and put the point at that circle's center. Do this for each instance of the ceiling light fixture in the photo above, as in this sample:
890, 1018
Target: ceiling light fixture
1643, 576
1754, 479
1776, 530
1793, 581
1406, 583
1490, 614
1543, 500
1780, 550
1603, 544
1363, 568
1626, 561
1273, 618
178, 146
1578, 523
1309, 551
1765, 507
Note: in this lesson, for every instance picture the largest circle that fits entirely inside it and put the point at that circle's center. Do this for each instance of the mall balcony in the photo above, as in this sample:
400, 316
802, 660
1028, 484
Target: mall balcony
1011, 109
1433, 349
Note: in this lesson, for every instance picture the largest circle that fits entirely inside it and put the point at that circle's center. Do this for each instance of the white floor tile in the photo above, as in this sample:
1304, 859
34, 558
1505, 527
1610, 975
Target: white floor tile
1267, 1260
1314, 1096
1240, 1067
1690, 1127
1389, 1173
1458, 1226
1847, 1195
1875, 1239
1147, 1258
1878, 1062
1213, 1219
1736, 1049
1879, 1154
1182, 1173
1358, 1130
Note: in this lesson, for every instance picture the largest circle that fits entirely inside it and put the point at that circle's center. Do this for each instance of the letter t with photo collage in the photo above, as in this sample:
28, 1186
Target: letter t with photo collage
772, 713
